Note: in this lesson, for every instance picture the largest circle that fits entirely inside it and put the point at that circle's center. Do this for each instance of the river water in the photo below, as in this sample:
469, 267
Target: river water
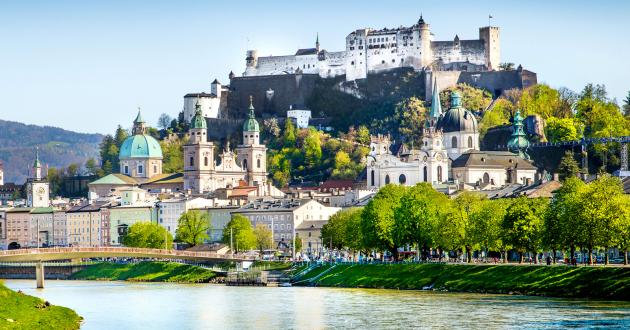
124, 305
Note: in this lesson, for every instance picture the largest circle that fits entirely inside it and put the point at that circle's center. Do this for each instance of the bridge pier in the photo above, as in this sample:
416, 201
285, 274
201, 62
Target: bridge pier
39, 274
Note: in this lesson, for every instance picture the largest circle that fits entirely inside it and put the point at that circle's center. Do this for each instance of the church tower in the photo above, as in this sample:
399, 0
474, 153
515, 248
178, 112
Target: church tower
198, 156
434, 161
251, 155
37, 189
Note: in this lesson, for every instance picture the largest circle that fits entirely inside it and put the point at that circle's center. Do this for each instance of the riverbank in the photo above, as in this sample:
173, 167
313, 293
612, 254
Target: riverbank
20, 311
555, 281
148, 271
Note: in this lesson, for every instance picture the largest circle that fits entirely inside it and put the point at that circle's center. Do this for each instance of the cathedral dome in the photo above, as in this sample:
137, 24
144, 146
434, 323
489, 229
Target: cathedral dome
140, 146
457, 119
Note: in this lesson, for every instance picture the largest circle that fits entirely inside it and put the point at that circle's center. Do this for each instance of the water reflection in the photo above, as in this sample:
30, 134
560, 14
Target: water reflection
121, 305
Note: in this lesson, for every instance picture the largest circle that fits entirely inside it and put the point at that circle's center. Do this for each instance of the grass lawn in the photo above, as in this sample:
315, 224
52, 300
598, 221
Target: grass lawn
146, 272
20, 311
558, 281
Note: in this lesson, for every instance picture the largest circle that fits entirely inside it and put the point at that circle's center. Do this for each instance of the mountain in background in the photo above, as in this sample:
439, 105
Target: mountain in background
57, 148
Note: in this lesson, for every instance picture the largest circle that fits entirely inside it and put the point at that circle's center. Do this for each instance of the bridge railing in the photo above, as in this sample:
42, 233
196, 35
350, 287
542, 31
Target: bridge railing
126, 250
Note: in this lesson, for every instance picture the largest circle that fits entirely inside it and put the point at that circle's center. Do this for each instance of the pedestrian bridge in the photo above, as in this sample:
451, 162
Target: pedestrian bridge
38, 256
65, 253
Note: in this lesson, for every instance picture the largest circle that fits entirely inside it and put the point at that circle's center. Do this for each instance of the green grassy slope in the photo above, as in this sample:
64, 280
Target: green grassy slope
20, 311
146, 272
559, 281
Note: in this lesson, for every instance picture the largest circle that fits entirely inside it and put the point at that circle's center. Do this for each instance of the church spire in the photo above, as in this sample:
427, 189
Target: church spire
37, 166
251, 125
139, 125
436, 106
518, 142
317, 42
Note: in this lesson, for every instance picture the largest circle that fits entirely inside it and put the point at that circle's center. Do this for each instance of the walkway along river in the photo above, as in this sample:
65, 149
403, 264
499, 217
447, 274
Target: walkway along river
125, 305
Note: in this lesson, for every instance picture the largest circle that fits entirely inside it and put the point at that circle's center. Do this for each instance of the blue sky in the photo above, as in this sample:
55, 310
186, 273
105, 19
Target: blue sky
87, 65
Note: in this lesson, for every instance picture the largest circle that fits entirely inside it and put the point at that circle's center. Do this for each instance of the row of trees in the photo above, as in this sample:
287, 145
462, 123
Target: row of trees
585, 216
192, 229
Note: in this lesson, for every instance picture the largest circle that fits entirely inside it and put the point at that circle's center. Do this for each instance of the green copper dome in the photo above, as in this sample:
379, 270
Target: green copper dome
198, 120
140, 146
250, 124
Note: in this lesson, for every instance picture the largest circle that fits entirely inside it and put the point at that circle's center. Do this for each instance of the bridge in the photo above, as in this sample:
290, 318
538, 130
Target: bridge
39, 255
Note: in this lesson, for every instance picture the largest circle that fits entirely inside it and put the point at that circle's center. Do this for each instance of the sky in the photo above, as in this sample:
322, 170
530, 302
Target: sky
87, 66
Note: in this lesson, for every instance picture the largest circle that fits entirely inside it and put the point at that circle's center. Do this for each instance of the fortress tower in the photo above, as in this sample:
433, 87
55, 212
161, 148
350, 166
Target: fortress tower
492, 46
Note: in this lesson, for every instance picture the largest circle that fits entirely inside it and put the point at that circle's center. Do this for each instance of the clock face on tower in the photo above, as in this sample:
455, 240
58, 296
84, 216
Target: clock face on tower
439, 158
41, 191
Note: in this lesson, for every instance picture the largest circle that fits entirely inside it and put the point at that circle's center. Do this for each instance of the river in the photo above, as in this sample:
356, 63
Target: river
125, 305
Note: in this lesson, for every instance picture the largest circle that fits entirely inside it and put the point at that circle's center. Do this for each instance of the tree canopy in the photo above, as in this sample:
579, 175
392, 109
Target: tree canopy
192, 227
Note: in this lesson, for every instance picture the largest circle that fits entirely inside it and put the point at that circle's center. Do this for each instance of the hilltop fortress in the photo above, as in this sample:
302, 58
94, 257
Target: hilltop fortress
372, 51
372, 59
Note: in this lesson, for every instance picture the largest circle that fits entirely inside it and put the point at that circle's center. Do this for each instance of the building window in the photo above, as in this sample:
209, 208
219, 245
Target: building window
387, 179
258, 163
486, 178
205, 161
244, 164
126, 169
192, 161
454, 142
402, 179
372, 178
140, 169
155, 169
470, 142
424, 174
439, 173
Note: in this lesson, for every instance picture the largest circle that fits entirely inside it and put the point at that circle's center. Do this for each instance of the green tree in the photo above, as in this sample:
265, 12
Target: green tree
363, 135
540, 99
164, 121
298, 243
496, 116
522, 225
416, 218
91, 167
173, 155
148, 235
409, 117
192, 227
72, 170
626, 105
486, 223
239, 232
566, 207
334, 231
506, 66
377, 223
568, 166
289, 135
465, 205
602, 207
561, 129
312, 147
474, 99
264, 240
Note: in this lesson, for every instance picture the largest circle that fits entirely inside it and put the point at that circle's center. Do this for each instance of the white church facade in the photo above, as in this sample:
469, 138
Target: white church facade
450, 153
